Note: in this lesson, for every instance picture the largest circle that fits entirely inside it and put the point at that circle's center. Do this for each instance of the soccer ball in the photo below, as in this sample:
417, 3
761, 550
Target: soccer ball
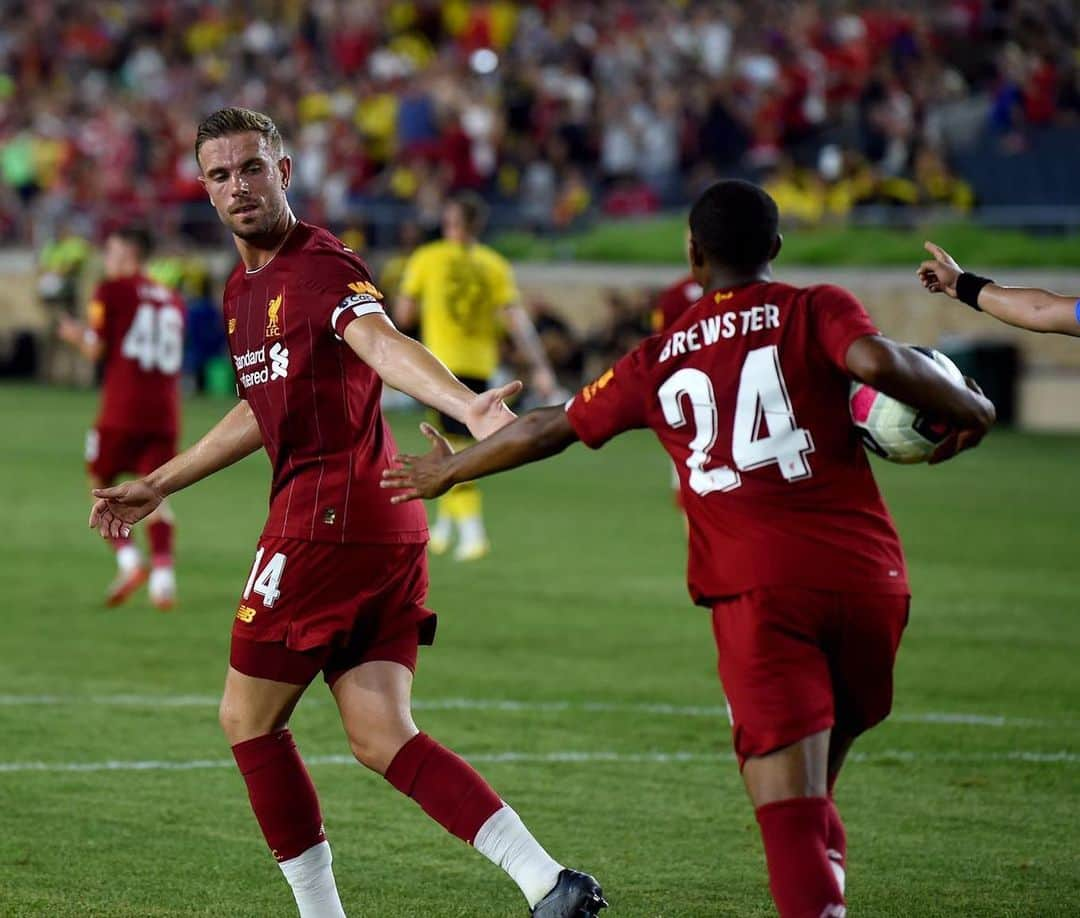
896, 431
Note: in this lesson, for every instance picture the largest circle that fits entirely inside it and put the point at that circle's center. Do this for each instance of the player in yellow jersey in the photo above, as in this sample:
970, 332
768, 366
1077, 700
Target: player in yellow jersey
464, 297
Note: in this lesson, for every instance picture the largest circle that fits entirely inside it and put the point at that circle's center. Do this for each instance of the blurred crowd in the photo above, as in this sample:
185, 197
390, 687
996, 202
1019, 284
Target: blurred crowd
68, 266
559, 109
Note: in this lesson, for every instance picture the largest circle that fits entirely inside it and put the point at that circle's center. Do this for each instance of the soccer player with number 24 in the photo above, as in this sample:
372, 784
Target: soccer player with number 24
340, 575
791, 546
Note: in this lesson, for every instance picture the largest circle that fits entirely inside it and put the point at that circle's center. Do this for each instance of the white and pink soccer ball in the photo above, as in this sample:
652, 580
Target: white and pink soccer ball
896, 431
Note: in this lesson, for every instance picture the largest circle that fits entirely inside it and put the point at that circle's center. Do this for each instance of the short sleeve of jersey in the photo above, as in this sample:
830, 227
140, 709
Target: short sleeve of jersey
839, 319
342, 282
96, 311
614, 403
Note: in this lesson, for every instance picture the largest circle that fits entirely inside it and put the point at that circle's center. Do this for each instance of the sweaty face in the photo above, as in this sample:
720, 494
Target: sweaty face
246, 182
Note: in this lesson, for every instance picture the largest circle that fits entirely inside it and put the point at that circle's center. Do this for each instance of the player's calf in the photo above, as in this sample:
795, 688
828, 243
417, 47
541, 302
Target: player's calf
131, 573
801, 876
799, 823
452, 793
836, 845
286, 807
253, 714
161, 532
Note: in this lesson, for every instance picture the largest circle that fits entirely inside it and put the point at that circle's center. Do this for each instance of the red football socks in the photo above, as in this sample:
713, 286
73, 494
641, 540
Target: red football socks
447, 787
281, 793
801, 877
161, 543
836, 838
119, 542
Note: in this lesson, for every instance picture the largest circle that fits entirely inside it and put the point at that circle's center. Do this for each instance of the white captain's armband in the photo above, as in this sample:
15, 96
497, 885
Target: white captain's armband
352, 307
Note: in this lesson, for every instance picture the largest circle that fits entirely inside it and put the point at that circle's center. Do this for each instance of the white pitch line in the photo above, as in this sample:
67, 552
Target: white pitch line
558, 758
658, 709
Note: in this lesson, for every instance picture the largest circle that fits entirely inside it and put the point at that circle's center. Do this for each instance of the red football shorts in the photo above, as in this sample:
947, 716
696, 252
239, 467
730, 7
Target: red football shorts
311, 606
794, 662
111, 453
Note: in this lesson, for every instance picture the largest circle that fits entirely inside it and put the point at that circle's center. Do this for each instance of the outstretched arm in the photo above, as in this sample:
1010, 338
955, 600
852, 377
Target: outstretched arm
81, 337
233, 437
407, 365
531, 437
1024, 307
911, 378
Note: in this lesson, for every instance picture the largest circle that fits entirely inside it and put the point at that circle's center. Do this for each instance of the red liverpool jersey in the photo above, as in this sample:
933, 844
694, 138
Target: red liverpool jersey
748, 393
316, 402
674, 301
142, 325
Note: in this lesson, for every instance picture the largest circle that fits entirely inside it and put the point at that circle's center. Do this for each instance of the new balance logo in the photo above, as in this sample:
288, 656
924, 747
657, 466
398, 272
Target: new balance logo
279, 361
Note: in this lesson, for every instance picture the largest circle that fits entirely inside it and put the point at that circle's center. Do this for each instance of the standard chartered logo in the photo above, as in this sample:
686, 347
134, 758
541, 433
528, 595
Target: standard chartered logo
279, 360
255, 363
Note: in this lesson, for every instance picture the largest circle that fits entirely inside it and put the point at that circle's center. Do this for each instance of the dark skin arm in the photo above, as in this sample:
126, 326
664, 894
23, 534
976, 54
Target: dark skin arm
877, 361
909, 377
533, 436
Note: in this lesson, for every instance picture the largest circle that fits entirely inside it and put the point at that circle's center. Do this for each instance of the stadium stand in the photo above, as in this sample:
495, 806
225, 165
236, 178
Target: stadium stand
554, 110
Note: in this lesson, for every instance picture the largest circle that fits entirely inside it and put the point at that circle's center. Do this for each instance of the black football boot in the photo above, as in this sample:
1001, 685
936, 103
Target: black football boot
575, 895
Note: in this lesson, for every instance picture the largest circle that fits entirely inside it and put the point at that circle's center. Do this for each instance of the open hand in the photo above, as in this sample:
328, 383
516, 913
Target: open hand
939, 274
487, 412
117, 509
421, 476
69, 330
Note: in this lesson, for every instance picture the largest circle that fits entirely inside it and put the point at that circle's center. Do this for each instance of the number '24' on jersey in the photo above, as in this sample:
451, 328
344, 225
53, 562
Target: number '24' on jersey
748, 393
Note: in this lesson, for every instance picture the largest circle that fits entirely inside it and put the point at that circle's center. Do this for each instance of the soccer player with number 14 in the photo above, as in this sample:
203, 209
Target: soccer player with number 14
339, 581
791, 546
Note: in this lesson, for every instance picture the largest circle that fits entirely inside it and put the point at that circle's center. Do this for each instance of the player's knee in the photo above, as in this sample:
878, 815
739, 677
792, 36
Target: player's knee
241, 724
231, 721
797, 770
376, 746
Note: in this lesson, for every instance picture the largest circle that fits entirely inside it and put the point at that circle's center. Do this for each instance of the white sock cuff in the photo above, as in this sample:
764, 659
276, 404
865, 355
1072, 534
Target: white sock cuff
312, 880
128, 557
505, 841
307, 866
497, 822
471, 529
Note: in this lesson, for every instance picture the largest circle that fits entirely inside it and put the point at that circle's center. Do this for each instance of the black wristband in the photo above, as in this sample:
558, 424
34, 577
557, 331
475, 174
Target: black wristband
968, 287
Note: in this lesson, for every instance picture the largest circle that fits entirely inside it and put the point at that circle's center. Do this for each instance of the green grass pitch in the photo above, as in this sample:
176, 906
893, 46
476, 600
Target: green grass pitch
571, 667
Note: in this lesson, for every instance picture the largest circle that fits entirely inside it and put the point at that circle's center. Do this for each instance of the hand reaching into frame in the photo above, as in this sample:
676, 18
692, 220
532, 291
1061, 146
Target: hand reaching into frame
421, 477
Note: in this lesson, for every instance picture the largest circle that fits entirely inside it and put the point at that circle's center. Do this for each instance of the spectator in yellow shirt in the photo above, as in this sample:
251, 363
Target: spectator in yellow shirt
464, 297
